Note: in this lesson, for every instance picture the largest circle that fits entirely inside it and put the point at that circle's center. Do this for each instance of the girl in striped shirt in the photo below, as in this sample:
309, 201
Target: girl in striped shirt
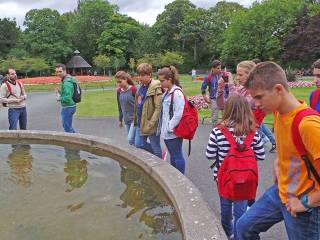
239, 120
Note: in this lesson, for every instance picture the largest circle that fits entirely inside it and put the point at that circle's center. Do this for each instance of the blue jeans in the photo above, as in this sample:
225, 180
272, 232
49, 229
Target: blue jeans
66, 116
265, 131
152, 147
174, 147
269, 210
15, 115
229, 219
131, 131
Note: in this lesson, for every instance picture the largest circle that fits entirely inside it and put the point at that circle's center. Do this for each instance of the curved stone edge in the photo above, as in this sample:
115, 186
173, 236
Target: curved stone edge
197, 220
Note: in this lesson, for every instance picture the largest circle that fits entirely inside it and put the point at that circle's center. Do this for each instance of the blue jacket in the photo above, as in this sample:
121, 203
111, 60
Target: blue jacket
211, 81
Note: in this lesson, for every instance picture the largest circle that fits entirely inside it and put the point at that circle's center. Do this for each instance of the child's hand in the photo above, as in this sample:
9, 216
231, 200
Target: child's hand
120, 125
221, 84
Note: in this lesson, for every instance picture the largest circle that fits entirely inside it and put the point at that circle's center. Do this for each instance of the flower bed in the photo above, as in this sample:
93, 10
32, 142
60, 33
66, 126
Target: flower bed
298, 84
199, 102
53, 79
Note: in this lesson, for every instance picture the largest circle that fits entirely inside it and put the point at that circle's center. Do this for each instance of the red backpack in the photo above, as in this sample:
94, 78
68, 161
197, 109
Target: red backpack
188, 124
299, 144
238, 173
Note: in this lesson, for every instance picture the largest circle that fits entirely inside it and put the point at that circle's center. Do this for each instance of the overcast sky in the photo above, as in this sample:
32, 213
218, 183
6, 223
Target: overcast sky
145, 11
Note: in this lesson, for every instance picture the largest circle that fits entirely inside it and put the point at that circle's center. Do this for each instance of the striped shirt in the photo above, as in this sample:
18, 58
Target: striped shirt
218, 147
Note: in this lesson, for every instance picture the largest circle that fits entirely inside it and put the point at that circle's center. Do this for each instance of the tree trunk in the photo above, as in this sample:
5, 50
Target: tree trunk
104, 71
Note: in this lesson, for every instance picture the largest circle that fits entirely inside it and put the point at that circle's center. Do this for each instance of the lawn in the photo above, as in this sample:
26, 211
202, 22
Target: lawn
103, 103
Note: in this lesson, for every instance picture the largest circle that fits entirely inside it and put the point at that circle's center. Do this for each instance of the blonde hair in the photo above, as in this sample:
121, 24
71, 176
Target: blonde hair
144, 68
247, 66
237, 114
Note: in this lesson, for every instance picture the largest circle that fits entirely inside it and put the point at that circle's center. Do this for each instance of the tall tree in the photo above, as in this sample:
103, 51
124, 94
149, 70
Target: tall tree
9, 36
45, 35
302, 45
259, 31
167, 27
88, 25
118, 36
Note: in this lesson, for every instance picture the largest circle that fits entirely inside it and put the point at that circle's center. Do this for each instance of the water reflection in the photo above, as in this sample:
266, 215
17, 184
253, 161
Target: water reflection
75, 168
142, 198
20, 162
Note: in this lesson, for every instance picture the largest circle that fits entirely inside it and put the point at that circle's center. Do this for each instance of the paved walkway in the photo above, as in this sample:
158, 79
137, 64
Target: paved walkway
44, 114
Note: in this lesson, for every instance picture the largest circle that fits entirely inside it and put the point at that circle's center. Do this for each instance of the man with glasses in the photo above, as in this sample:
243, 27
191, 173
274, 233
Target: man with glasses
14, 97
64, 95
315, 94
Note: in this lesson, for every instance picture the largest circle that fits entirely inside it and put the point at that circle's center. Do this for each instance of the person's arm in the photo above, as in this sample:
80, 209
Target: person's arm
157, 107
310, 134
178, 106
204, 86
66, 93
257, 146
212, 146
4, 93
119, 110
23, 92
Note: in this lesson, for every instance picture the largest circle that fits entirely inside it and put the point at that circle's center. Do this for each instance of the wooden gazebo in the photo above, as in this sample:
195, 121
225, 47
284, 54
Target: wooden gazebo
77, 65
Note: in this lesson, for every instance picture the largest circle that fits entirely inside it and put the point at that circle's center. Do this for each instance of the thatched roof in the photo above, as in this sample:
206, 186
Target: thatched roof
77, 61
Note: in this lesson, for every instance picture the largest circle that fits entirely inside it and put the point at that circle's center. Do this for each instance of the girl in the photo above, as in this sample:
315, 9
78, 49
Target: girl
239, 120
243, 70
171, 113
126, 92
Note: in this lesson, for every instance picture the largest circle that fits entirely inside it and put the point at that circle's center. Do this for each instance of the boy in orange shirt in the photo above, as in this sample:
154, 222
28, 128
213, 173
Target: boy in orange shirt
295, 197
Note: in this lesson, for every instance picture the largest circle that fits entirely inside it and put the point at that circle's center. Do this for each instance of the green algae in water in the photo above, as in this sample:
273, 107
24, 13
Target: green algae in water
54, 192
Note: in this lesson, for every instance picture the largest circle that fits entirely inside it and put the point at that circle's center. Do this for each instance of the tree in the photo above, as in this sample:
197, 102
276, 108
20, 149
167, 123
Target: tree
9, 36
167, 28
118, 36
102, 61
88, 24
45, 35
259, 31
132, 64
117, 62
301, 46
171, 58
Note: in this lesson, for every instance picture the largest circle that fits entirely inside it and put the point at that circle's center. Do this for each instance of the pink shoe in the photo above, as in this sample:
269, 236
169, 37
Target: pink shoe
164, 155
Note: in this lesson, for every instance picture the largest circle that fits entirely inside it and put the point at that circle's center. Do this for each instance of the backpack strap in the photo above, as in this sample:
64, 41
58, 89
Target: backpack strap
171, 103
299, 143
249, 138
10, 89
225, 131
315, 98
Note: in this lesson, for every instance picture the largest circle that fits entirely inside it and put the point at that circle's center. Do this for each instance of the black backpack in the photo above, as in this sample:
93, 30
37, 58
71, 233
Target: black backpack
76, 97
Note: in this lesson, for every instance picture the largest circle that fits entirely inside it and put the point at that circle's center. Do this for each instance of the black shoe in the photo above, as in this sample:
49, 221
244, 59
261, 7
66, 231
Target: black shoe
273, 148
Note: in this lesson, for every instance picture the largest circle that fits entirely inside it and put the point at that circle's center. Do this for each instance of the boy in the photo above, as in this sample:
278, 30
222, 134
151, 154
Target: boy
294, 198
315, 94
211, 81
147, 111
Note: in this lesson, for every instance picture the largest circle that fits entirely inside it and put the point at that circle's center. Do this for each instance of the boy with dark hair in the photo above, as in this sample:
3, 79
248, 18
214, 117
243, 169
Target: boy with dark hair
211, 81
315, 94
295, 197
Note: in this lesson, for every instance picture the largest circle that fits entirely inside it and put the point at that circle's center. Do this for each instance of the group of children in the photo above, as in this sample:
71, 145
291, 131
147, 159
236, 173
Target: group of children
147, 114
295, 195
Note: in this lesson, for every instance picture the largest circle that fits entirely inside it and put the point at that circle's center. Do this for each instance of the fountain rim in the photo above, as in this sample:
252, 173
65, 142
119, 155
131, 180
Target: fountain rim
196, 218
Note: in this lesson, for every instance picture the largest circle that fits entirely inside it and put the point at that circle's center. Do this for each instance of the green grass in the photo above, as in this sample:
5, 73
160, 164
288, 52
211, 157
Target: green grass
84, 85
103, 103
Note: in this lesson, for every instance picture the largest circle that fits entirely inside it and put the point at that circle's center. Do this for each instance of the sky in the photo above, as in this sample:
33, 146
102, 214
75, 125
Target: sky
144, 11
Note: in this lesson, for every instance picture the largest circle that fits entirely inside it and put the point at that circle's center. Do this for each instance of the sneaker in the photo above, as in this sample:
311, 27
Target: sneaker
164, 155
273, 149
